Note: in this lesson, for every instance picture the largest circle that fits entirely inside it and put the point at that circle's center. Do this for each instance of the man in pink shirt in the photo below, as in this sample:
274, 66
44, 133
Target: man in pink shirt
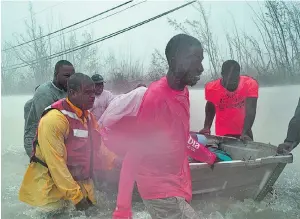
157, 159
103, 97
119, 124
233, 99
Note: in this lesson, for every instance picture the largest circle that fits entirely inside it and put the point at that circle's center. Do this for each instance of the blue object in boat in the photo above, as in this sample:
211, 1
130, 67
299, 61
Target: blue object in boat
223, 156
201, 139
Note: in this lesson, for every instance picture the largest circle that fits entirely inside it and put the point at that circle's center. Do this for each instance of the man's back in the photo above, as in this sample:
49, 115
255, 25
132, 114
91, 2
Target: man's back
27, 107
44, 96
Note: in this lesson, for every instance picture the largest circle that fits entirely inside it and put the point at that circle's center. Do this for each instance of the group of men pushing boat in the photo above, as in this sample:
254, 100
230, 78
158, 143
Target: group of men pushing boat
74, 129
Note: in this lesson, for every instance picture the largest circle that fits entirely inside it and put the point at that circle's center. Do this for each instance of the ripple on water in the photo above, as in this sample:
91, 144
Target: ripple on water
284, 205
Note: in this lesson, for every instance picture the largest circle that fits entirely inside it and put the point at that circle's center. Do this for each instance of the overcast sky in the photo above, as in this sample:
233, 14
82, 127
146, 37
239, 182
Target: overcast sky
140, 42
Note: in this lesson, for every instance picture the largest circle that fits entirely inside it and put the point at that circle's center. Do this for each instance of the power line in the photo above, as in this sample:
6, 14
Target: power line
118, 12
101, 38
72, 25
136, 4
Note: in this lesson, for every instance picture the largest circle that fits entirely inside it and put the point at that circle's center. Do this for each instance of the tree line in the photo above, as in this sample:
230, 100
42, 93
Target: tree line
273, 57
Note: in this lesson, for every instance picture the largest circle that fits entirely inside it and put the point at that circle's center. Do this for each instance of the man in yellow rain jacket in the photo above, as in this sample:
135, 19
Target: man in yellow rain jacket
67, 152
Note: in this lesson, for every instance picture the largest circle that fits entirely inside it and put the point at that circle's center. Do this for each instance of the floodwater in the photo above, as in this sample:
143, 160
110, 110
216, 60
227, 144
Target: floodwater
276, 106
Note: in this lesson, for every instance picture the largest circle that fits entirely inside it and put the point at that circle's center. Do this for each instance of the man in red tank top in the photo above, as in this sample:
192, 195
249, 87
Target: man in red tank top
233, 99
158, 160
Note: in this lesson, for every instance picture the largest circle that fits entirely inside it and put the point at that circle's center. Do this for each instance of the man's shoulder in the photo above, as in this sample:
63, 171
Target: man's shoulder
48, 93
52, 119
139, 90
156, 86
44, 87
155, 94
53, 113
43, 90
249, 79
212, 85
28, 102
107, 92
160, 92
297, 112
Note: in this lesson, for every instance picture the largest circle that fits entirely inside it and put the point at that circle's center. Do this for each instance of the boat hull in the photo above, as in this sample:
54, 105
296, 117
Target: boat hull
235, 179
252, 173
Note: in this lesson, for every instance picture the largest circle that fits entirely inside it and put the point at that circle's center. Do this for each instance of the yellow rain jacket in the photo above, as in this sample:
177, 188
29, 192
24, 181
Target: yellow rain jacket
38, 187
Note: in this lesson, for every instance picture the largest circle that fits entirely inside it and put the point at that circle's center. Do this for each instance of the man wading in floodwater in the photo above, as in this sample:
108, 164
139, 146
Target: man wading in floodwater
293, 134
103, 97
45, 95
67, 152
27, 106
233, 99
158, 159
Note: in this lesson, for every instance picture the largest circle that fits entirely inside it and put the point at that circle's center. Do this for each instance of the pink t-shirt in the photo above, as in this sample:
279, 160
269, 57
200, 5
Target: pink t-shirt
230, 106
159, 160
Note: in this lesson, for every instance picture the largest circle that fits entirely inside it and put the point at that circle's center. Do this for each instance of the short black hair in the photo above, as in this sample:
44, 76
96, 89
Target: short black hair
76, 81
179, 43
36, 87
61, 63
231, 66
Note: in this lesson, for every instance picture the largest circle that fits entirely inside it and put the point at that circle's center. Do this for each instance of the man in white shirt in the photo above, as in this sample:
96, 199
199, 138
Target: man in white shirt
123, 105
103, 97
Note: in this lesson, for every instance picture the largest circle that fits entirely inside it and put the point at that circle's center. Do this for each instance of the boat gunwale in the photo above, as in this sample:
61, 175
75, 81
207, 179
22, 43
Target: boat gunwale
247, 163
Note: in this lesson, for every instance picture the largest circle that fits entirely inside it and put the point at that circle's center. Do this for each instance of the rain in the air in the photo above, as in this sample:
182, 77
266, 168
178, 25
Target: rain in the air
150, 109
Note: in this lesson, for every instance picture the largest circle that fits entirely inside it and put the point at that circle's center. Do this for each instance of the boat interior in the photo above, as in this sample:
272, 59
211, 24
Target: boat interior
238, 150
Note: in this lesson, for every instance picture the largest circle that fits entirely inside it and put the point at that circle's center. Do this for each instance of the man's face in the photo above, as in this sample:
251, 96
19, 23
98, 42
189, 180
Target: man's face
231, 80
85, 97
189, 64
63, 74
99, 88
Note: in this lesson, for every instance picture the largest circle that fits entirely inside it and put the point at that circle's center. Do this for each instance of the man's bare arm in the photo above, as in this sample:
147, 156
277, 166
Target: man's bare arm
251, 105
210, 113
293, 133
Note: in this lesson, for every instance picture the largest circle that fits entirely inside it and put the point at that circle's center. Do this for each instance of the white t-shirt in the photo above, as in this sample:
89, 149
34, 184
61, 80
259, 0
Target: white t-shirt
122, 105
101, 103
